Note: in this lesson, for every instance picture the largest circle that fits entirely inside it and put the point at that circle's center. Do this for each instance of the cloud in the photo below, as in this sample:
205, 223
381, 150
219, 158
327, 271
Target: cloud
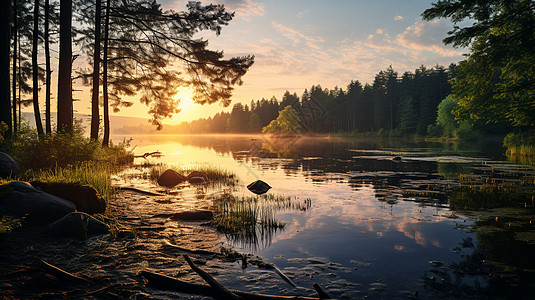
301, 13
427, 36
296, 36
398, 18
245, 9
379, 31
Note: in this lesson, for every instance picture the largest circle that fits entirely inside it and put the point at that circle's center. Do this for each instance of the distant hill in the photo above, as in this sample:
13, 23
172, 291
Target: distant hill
116, 122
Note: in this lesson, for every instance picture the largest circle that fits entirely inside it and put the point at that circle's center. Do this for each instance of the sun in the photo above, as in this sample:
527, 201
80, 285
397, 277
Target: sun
186, 102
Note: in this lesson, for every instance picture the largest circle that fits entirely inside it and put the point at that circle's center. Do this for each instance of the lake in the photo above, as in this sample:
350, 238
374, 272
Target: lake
447, 220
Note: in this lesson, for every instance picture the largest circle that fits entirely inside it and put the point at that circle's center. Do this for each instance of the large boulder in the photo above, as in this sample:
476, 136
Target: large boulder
8, 167
86, 198
19, 199
77, 225
259, 187
170, 178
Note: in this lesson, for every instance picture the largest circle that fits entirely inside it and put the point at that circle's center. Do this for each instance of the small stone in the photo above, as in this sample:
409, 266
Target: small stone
196, 180
259, 187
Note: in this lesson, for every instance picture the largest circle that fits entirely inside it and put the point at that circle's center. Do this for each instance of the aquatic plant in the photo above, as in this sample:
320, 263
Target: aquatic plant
252, 220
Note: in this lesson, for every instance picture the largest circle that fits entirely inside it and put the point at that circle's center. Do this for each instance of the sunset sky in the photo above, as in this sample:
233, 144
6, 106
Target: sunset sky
299, 43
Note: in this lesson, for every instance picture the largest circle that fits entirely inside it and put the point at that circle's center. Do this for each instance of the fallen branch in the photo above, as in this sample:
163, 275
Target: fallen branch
321, 292
51, 269
147, 154
173, 284
222, 292
139, 191
199, 252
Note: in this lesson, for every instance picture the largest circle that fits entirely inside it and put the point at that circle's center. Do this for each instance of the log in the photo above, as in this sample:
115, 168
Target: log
169, 283
51, 269
222, 292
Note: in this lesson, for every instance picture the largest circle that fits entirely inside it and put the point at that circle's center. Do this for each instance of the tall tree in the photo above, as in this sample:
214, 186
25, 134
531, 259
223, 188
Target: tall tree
497, 81
106, 110
48, 69
95, 115
35, 69
14, 68
65, 115
5, 100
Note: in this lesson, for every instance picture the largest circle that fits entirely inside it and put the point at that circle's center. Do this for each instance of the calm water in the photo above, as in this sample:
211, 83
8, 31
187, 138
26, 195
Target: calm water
364, 225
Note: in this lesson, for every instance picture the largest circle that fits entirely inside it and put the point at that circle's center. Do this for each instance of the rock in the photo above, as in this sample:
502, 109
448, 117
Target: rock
196, 180
195, 174
22, 199
396, 158
86, 198
77, 225
170, 178
8, 167
259, 187
193, 215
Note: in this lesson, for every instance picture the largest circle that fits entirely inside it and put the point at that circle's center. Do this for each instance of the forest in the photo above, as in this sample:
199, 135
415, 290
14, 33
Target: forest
121, 49
412, 104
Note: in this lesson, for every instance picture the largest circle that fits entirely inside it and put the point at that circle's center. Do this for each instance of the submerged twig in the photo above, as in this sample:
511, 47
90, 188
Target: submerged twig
51, 269
139, 191
198, 251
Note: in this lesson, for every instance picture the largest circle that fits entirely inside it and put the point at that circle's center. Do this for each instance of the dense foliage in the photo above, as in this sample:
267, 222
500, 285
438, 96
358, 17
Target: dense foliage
406, 104
496, 83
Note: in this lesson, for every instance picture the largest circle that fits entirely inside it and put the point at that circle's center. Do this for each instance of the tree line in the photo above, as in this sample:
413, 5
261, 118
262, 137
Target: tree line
131, 48
407, 104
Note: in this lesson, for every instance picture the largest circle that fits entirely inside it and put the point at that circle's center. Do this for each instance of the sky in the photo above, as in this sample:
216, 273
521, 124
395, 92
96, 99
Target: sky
301, 43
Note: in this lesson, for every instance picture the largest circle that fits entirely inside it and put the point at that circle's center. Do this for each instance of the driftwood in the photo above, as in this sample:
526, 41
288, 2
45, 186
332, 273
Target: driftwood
147, 154
51, 269
222, 292
321, 292
263, 265
139, 191
199, 251
173, 284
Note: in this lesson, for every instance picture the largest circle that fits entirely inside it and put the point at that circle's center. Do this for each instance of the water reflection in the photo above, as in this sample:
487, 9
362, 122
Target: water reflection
374, 218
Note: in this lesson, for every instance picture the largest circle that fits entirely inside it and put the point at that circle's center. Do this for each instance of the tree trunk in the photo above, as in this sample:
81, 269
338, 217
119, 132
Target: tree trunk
35, 69
106, 138
95, 117
48, 124
5, 99
65, 118
14, 77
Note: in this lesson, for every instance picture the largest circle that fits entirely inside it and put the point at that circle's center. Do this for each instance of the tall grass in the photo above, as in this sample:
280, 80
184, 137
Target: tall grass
94, 174
213, 174
520, 144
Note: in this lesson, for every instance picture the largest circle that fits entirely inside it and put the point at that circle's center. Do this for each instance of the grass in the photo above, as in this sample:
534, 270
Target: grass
9, 223
94, 174
214, 174
252, 219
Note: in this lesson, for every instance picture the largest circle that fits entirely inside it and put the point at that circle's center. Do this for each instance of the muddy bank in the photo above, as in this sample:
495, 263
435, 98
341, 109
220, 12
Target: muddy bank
112, 263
